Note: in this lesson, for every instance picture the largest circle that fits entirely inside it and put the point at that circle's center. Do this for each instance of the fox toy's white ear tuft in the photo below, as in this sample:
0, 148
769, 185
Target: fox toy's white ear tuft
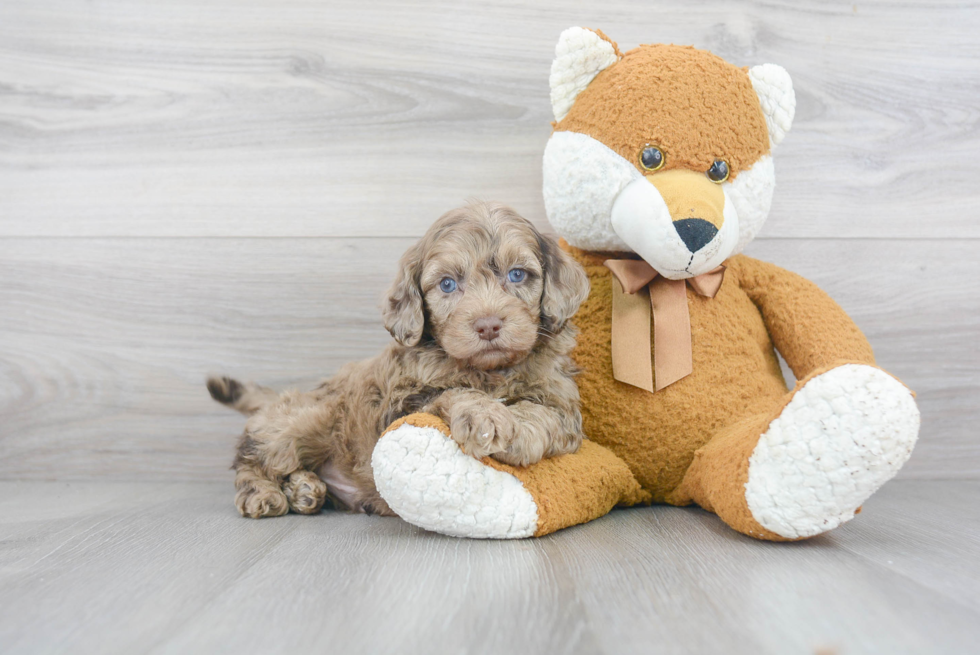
775, 90
580, 55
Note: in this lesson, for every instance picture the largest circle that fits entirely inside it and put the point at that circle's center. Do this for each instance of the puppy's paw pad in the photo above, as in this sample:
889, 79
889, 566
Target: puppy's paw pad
260, 503
484, 431
305, 491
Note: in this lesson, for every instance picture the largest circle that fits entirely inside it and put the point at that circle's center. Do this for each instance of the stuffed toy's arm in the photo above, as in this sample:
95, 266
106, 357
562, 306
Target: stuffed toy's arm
809, 329
427, 480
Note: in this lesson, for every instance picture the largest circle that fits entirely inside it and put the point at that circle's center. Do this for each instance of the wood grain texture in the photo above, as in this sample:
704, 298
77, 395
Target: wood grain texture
293, 117
171, 568
141, 141
106, 342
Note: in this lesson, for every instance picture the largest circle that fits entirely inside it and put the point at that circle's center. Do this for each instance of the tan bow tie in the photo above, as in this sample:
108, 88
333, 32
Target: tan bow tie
633, 281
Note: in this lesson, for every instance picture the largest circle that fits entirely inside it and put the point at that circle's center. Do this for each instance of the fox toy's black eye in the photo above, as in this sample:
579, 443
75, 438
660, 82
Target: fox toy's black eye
448, 285
718, 172
516, 275
651, 158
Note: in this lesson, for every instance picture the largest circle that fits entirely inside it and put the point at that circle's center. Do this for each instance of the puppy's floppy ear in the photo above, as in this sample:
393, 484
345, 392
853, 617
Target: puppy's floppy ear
565, 284
403, 313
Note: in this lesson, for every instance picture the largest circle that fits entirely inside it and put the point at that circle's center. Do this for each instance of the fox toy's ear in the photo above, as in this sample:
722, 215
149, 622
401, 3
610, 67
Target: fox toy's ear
580, 55
775, 90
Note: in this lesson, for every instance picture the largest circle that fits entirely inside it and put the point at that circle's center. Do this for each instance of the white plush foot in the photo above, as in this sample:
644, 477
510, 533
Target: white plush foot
428, 481
842, 436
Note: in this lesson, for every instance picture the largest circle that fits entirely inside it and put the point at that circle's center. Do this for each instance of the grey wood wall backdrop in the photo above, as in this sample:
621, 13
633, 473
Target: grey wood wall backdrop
207, 185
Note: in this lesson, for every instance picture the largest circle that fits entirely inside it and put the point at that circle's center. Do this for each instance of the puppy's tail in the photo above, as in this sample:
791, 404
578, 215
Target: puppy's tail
247, 397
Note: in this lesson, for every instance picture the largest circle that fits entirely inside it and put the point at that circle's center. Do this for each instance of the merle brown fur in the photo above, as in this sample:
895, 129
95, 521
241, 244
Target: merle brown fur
513, 398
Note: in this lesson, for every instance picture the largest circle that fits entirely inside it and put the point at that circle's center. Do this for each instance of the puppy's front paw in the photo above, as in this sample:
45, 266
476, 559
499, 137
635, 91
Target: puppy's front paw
261, 500
305, 492
482, 428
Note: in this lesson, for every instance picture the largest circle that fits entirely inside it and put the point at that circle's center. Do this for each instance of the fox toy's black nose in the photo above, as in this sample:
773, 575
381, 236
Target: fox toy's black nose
696, 233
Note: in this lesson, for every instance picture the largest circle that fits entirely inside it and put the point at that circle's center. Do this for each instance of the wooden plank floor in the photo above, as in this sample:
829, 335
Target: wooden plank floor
171, 568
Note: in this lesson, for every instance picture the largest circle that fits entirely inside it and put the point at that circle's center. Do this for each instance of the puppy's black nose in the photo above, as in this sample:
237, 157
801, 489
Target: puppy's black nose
488, 327
696, 233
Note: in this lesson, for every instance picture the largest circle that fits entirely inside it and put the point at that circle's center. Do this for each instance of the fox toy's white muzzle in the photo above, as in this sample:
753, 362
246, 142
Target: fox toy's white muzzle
673, 228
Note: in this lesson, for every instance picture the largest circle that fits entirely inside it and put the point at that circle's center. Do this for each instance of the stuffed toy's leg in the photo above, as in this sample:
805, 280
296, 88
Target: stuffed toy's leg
425, 477
807, 466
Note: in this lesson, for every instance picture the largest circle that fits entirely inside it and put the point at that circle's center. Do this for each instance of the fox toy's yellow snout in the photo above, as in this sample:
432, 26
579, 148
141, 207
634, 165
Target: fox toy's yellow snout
696, 204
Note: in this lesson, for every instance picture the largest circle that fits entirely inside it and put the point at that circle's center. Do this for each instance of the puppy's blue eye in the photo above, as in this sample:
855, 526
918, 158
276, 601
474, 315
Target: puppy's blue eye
448, 285
516, 275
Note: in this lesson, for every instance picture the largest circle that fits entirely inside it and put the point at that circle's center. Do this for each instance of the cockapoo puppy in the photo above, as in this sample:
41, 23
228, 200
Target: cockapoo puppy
480, 314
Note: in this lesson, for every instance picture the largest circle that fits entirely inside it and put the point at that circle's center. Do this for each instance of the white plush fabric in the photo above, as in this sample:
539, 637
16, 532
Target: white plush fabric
580, 55
582, 178
641, 218
750, 193
774, 87
428, 481
842, 436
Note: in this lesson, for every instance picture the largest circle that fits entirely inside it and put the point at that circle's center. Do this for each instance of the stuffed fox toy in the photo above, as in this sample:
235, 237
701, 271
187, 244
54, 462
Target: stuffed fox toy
658, 173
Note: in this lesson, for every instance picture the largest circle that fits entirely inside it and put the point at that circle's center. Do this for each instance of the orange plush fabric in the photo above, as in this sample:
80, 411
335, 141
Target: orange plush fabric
576, 488
657, 434
662, 101
700, 430
787, 300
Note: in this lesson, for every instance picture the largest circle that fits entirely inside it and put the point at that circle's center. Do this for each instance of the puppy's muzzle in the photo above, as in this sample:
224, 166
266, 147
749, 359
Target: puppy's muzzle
488, 327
